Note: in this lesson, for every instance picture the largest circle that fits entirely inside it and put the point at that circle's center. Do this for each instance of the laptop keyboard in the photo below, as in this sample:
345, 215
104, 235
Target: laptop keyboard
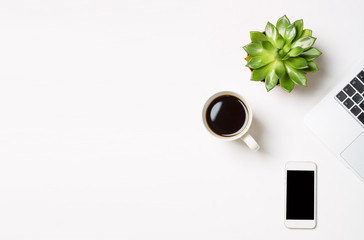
351, 97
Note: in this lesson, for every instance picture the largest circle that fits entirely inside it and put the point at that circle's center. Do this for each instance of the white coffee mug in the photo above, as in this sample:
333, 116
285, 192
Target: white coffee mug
243, 132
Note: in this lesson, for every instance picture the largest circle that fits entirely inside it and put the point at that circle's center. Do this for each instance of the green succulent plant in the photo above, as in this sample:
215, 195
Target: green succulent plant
282, 54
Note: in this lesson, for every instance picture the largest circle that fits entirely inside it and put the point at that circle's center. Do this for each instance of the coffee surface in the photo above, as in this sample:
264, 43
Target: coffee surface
226, 116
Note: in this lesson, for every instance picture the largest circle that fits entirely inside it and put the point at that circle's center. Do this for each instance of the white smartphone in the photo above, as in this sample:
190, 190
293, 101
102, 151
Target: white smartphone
300, 195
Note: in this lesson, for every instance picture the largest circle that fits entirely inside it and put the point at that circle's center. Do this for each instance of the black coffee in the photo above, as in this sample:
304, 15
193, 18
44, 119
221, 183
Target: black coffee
226, 115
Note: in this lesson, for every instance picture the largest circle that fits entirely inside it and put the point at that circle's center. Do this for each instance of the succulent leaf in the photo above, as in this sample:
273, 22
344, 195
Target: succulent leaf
286, 83
311, 54
305, 42
290, 33
299, 28
280, 41
287, 48
306, 32
273, 36
248, 58
282, 24
312, 67
271, 80
296, 76
270, 31
257, 36
279, 68
260, 73
297, 62
254, 49
295, 52
268, 46
260, 61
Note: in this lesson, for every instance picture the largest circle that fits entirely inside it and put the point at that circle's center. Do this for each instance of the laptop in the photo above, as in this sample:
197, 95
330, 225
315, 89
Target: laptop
338, 120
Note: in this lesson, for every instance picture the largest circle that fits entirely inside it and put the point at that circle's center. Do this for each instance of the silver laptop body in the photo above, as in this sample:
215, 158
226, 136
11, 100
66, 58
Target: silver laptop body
338, 120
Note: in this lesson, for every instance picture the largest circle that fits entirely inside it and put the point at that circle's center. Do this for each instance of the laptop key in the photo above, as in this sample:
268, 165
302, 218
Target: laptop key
349, 90
357, 85
341, 96
348, 103
361, 76
355, 110
362, 106
357, 98
361, 118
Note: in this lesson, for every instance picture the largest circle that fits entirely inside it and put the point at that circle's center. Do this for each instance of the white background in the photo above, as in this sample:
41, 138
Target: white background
101, 135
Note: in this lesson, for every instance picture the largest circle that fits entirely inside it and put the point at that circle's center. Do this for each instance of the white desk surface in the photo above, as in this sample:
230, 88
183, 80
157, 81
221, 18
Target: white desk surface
101, 135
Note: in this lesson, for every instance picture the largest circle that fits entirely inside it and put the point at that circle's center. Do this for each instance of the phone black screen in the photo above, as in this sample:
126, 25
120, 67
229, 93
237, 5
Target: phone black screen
300, 195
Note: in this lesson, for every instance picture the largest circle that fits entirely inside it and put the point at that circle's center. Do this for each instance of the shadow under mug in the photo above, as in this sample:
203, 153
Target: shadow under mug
242, 133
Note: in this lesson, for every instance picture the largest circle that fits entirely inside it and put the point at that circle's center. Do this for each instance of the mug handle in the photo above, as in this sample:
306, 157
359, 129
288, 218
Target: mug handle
249, 140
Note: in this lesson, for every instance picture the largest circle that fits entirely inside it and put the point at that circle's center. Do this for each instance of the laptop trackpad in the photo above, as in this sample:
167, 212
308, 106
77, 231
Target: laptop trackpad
354, 155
